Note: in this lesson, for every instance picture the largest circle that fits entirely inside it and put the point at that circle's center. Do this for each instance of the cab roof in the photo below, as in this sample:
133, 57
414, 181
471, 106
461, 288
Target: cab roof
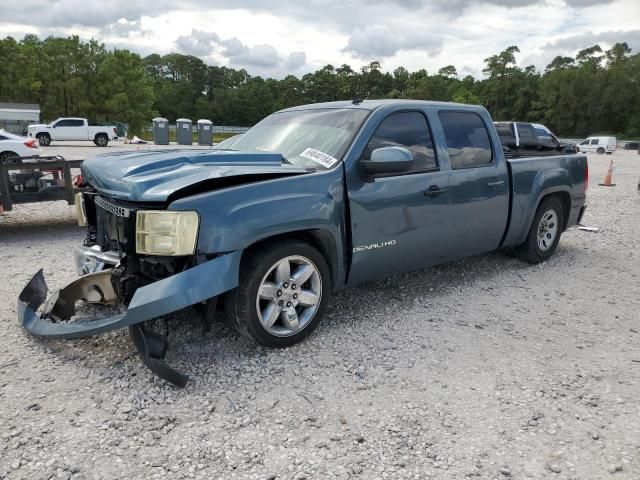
374, 104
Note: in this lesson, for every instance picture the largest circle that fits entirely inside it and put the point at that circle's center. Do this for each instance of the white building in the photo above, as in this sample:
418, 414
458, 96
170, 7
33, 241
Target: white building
14, 117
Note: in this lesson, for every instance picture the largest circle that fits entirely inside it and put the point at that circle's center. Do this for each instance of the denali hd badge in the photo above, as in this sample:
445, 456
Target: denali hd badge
388, 243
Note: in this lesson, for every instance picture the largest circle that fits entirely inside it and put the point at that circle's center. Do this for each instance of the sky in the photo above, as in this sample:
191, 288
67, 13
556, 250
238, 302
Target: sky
280, 37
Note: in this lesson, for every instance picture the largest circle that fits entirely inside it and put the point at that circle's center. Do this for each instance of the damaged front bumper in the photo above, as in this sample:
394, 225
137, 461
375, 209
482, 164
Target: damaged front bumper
50, 317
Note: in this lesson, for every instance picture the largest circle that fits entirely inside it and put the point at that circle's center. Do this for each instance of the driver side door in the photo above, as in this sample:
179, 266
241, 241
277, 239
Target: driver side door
399, 222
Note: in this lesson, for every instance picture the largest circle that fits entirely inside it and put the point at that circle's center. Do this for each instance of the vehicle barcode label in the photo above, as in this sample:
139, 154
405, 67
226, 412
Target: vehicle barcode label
317, 156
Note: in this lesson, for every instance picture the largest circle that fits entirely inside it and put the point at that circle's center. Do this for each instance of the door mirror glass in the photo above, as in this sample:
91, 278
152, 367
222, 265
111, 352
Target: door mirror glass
388, 160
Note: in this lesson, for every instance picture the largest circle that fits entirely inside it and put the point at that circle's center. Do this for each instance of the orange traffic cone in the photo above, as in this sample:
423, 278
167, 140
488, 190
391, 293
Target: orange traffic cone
607, 178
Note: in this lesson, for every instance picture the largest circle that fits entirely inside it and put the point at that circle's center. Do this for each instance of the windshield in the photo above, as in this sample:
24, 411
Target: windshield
309, 138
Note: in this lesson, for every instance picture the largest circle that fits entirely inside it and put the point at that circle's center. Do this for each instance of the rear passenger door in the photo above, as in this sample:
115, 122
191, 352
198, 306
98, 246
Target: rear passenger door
479, 184
399, 222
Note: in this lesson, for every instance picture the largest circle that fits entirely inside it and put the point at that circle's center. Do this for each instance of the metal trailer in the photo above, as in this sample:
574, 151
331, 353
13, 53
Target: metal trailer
57, 164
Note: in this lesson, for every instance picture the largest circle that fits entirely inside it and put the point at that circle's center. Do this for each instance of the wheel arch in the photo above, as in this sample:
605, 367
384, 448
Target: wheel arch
101, 135
565, 200
321, 240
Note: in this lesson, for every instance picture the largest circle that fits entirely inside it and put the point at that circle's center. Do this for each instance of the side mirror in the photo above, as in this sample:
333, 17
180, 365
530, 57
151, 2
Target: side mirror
387, 161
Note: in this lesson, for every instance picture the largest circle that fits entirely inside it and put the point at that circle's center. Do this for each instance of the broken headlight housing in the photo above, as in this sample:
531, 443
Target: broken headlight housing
162, 232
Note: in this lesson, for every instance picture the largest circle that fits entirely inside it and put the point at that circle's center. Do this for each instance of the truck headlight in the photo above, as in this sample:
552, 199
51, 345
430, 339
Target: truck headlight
166, 232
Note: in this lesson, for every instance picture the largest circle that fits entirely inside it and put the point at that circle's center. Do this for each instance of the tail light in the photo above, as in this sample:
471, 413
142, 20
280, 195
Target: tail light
31, 143
114, 130
586, 176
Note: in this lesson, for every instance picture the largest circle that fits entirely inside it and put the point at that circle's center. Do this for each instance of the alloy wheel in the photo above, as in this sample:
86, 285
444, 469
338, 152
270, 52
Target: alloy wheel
289, 296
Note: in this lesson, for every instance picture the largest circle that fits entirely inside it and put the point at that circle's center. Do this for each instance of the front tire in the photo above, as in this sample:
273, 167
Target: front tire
544, 233
282, 294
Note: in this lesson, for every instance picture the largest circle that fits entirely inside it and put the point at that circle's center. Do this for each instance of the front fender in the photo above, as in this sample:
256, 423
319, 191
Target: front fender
238, 217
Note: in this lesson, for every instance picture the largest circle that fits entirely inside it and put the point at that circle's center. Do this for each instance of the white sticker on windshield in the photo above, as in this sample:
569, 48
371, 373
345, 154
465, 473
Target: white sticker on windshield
317, 156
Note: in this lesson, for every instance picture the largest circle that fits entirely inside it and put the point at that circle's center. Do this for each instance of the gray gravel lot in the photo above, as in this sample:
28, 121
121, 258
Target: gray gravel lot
485, 368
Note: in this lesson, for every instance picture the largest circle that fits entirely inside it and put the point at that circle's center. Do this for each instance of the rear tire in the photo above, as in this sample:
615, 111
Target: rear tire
545, 232
101, 140
10, 158
600, 151
44, 139
268, 306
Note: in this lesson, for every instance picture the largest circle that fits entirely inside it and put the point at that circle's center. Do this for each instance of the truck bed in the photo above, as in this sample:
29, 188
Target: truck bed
535, 177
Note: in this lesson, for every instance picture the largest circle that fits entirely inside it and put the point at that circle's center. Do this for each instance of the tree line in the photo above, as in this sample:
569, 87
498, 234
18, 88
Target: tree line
595, 91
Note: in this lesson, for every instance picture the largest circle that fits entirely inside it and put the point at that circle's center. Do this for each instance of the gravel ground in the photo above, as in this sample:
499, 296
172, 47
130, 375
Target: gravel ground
485, 368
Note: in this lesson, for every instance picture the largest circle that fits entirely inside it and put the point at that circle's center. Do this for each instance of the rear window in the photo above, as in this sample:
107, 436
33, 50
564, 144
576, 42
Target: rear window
467, 139
504, 130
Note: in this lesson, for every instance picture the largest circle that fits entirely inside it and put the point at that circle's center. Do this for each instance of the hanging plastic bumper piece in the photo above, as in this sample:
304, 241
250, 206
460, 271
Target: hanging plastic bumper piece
51, 317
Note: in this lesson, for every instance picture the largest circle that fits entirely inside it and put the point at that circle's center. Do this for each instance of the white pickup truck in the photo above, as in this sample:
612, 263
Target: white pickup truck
73, 129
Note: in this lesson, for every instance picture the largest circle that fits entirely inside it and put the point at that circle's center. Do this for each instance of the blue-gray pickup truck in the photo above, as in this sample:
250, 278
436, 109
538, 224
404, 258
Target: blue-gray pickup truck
311, 200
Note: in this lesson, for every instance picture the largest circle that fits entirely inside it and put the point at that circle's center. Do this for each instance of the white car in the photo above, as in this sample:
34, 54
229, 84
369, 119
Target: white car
599, 145
73, 129
12, 146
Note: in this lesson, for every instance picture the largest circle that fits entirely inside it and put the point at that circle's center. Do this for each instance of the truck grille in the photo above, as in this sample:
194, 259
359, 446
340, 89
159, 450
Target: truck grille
114, 226
110, 207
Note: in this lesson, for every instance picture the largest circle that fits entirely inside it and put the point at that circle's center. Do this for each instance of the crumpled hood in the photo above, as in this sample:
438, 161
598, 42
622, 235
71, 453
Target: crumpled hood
153, 175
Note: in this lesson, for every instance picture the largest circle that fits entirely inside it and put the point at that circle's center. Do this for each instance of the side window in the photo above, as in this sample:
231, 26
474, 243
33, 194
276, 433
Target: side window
2, 137
467, 139
541, 133
585, 142
70, 123
409, 130
595, 141
545, 137
525, 132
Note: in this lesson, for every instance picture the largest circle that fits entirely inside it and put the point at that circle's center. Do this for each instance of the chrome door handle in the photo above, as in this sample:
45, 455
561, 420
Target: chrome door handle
495, 184
434, 191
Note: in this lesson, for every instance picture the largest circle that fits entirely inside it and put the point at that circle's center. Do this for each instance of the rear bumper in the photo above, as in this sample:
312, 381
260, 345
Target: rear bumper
42, 316
581, 214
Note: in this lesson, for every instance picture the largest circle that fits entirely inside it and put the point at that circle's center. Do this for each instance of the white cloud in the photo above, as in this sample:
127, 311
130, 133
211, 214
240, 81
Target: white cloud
287, 36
